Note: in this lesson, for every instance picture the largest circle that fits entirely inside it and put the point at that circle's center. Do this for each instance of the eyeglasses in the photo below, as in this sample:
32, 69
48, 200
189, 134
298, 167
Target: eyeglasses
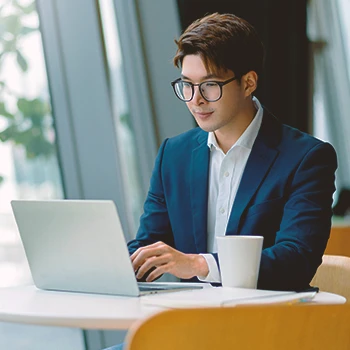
211, 91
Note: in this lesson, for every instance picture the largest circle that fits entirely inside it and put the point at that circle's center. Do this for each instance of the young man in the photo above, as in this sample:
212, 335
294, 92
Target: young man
241, 172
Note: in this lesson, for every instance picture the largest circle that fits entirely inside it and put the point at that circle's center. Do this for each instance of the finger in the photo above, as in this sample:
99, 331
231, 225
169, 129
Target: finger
143, 279
136, 253
146, 254
160, 270
144, 268
152, 262
139, 250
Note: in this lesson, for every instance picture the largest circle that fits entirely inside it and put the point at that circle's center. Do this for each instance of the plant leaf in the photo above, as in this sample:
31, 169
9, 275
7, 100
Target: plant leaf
22, 61
26, 9
12, 24
9, 133
31, 108
38, 146
4, 112
28, 30
8, 46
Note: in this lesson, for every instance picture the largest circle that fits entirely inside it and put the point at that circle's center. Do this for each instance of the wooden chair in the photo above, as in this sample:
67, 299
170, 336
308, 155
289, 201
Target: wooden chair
272, 327
339, 241
333, 275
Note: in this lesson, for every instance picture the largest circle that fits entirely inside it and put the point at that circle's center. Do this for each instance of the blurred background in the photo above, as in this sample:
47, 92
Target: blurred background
85, 101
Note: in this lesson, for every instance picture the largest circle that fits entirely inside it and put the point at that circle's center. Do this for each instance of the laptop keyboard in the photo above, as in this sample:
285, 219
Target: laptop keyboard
143, 287
150, 288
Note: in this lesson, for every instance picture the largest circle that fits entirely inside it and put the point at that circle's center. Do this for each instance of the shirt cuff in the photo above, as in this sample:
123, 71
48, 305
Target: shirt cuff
214, 273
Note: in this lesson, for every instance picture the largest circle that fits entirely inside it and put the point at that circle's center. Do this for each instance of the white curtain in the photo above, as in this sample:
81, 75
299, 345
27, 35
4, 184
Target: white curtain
328, 29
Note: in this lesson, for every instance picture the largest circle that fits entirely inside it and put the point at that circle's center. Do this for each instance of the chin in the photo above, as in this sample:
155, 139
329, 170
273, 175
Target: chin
207, 128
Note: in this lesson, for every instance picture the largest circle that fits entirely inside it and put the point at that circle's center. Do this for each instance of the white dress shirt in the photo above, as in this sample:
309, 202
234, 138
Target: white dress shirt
225, 173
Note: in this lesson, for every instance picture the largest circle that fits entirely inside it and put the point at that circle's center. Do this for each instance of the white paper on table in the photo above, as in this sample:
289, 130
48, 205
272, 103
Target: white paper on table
295, 298
221, 296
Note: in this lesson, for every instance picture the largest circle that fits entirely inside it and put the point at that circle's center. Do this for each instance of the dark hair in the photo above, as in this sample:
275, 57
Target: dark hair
224, 41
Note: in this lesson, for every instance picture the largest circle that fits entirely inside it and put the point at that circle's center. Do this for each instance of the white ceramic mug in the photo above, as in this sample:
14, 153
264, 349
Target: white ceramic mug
239, 259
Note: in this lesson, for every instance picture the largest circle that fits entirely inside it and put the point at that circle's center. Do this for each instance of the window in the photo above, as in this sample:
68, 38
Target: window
328, 30
29, 166
344, 11
133, 194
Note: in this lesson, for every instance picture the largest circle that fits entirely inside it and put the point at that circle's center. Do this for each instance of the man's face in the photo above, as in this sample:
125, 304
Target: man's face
219, 116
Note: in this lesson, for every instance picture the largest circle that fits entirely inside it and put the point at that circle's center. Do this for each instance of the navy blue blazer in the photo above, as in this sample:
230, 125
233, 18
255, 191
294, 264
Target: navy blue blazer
285, 195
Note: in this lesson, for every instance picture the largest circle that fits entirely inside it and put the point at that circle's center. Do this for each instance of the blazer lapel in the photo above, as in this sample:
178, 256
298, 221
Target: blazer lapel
261, 158
199, 192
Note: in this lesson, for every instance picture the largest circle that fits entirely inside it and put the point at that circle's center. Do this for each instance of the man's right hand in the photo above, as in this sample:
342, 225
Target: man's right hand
164, 259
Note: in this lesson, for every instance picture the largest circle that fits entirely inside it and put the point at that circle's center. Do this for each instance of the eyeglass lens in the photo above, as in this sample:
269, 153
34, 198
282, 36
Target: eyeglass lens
209, 90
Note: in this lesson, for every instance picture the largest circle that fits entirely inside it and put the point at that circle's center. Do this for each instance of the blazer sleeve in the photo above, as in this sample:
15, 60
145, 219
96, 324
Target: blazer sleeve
154, 222
301, 240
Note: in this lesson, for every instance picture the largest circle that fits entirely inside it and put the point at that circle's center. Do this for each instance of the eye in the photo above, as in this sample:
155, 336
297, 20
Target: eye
210, 84
186, 84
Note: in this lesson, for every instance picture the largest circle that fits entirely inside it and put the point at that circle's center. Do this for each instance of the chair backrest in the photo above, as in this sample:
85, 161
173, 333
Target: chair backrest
333, 275
339, 241
271, 327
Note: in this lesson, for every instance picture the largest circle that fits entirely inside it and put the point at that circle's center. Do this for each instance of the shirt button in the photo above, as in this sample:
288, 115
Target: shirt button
226, 173
222, 210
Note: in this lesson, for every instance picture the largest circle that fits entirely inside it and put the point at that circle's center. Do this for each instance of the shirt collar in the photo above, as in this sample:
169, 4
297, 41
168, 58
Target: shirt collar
250, 133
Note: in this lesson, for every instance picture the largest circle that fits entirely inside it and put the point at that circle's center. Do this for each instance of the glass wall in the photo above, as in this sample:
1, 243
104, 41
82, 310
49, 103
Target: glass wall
328, 31
29, 167
344, 12
108, 125
130, 171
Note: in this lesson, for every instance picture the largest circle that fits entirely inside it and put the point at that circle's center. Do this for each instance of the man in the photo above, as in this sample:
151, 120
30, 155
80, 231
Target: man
240, 173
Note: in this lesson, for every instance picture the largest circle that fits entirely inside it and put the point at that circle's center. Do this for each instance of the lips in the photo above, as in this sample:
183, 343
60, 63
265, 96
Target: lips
203, 115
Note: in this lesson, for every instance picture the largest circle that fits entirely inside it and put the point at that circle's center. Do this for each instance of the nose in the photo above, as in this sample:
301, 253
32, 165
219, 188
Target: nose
197, 97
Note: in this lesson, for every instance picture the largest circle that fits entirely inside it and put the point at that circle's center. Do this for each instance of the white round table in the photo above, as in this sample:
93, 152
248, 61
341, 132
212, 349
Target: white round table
27, 304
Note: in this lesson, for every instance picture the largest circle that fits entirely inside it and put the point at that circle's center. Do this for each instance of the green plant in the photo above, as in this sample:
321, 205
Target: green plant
28, 121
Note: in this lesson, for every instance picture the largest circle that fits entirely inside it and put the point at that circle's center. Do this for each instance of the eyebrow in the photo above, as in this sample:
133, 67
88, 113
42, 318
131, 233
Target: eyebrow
208, 76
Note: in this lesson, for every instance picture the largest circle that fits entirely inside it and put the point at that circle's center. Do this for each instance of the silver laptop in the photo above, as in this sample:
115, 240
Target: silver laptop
79, 246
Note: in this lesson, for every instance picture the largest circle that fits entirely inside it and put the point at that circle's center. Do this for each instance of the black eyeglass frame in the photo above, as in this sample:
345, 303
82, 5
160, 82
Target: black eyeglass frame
220, 83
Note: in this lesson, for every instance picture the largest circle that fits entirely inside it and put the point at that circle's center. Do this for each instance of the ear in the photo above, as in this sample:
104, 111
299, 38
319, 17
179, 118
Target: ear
250, 81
